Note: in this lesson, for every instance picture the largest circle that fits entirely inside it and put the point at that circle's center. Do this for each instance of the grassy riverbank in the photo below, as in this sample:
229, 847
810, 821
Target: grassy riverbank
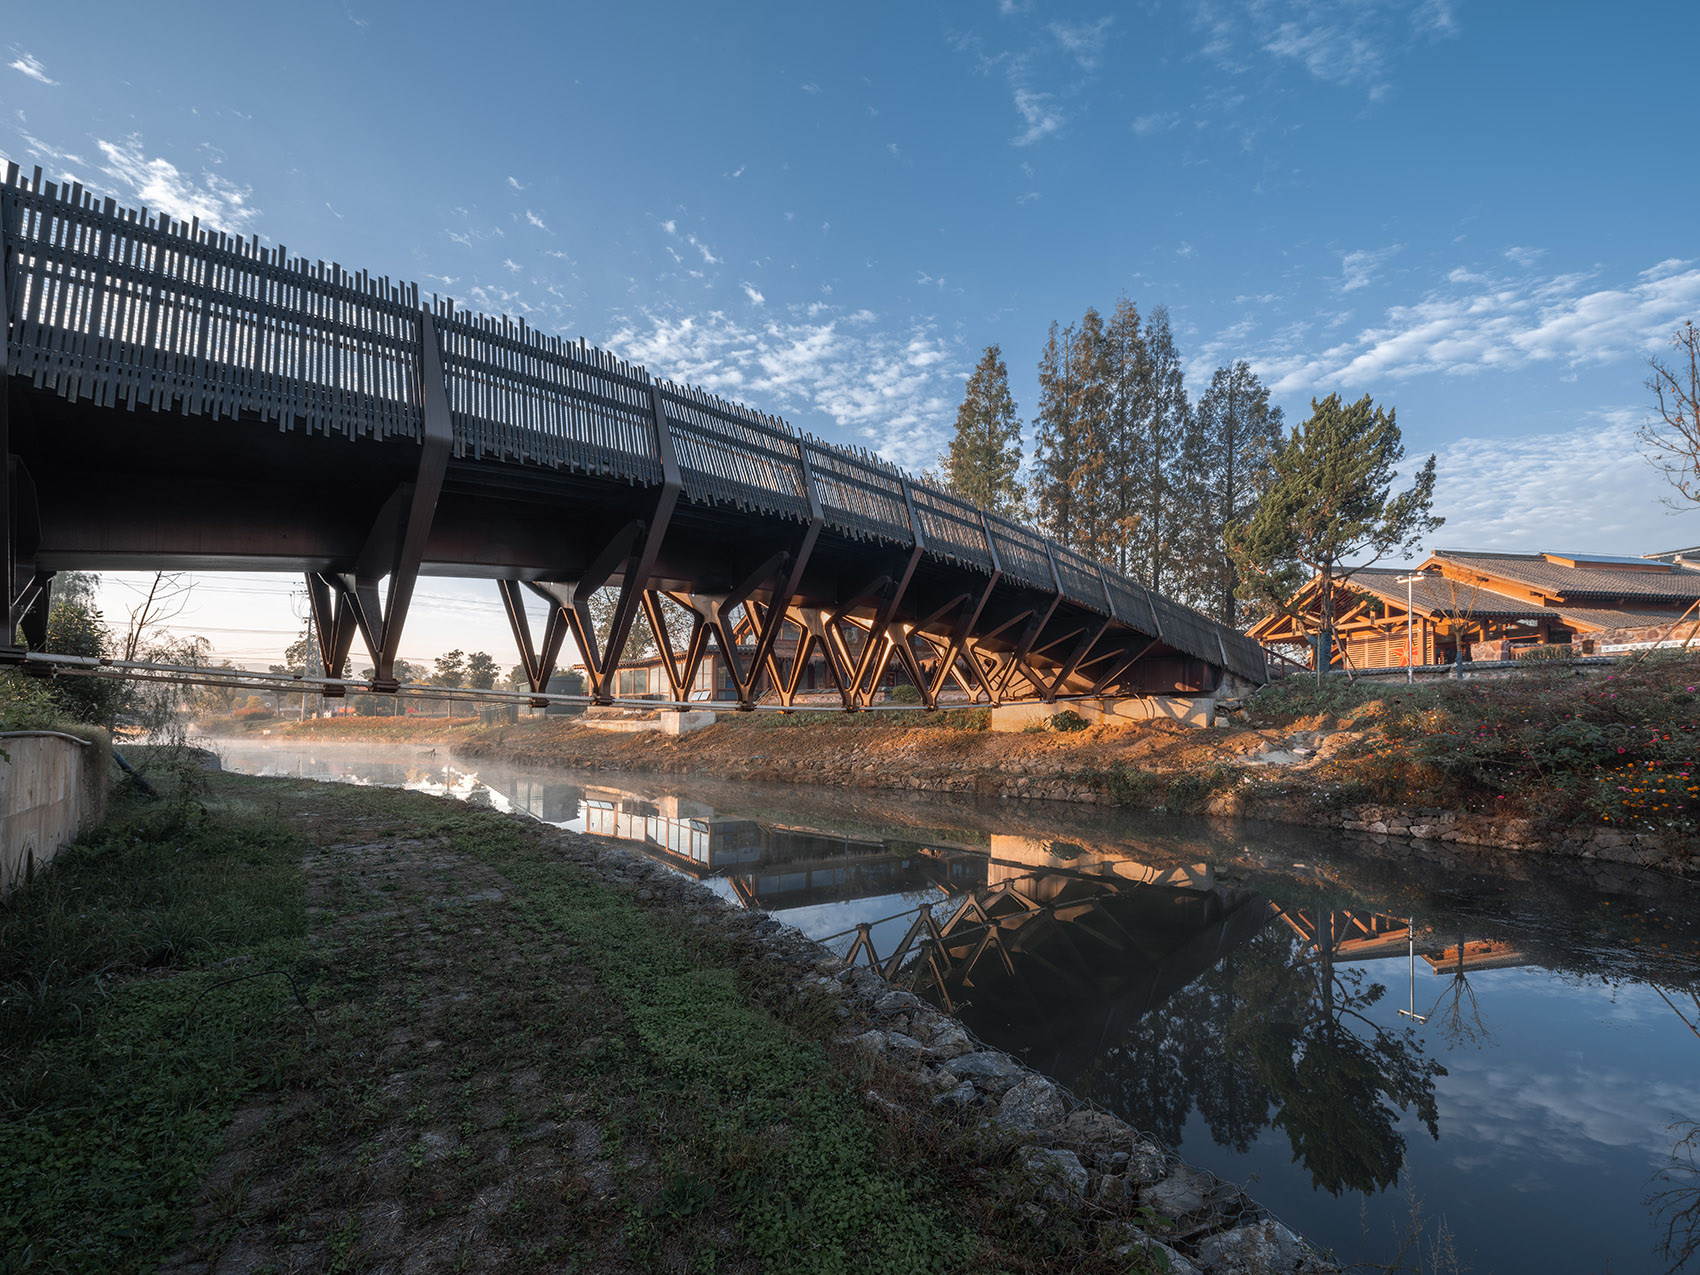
1548, 754
507, 1054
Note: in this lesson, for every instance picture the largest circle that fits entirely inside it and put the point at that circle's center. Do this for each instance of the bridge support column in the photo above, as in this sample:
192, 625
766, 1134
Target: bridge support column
344, 603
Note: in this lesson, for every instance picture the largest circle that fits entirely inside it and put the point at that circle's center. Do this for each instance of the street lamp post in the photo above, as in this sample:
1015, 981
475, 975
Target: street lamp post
1410, 654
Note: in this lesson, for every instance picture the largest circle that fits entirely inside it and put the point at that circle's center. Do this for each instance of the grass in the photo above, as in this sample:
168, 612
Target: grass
124, 1057
511, 1063
1612, 748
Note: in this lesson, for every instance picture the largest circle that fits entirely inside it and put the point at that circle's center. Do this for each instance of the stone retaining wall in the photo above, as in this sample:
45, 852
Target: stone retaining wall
1612, 845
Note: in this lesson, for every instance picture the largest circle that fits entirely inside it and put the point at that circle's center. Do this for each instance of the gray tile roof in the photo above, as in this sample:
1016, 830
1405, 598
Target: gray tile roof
1581, 585
1435, 595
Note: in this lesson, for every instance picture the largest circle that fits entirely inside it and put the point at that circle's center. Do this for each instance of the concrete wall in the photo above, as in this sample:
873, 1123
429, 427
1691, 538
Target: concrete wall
52, 788
1194, 710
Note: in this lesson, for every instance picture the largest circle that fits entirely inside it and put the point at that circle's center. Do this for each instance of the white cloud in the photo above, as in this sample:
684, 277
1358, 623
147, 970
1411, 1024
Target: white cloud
163, 187
535, 220
509, 264
755, 297
1517, 1117
1470, 323
514, 182
1358, 269
670, 226
1585, 488
1519, 255
708, 257
1083, 41
1349, 43
32, 67
1146, 125
1039, 113
894, 390
811, 88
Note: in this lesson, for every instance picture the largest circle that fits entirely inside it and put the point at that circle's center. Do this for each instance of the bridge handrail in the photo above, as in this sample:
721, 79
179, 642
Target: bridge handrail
122, 306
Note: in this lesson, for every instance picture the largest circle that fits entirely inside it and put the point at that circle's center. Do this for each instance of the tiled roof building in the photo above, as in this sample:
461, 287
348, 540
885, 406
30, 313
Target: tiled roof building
1504, 602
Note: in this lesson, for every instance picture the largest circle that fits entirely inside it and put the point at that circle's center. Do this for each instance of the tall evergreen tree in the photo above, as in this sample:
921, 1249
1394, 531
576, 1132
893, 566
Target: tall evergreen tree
1157, 444
1234, 436
985, 454
1329, 502
1069, 458
1128, 374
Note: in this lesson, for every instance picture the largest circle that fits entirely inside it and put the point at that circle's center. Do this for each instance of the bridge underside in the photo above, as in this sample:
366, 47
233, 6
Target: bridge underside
104, 489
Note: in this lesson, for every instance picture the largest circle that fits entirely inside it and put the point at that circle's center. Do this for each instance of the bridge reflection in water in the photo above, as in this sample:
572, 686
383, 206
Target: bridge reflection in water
1268, 1018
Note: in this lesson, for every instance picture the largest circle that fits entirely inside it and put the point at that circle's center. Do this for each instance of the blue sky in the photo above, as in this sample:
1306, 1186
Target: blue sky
1479, 214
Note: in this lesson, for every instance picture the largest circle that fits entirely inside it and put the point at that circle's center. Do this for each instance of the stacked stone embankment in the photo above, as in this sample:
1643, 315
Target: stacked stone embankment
1080, 1157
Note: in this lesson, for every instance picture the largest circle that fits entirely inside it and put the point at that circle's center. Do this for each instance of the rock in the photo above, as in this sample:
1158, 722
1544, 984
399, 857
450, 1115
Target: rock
1096, 1126
1111, 1191
1065, 1174
1259, 1248
1164, 1257
1181, 1193
984, 1064
949, 1041
869, 1042
905, 1048
896, 1000
1147, 1163
963, 1095
1033, 1104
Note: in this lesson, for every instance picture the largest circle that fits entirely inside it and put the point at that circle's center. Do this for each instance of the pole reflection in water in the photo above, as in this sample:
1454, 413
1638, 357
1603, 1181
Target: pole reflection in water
1236, 991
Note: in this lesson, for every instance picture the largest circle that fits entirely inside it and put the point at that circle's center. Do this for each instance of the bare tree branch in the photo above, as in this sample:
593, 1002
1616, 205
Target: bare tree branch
1672, 442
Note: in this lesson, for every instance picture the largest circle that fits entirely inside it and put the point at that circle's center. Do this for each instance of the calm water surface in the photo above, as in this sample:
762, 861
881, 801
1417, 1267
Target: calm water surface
1508, 1048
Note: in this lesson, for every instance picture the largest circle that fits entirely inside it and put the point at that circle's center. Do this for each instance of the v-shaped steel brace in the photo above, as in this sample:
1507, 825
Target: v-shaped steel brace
344, 603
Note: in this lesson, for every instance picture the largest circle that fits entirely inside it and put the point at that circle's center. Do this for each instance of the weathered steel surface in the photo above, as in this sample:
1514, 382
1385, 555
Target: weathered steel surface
120, 309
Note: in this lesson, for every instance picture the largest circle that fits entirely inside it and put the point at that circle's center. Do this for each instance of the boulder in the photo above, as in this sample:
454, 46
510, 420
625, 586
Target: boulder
1033, 1104
1064, 1174
1258, 1248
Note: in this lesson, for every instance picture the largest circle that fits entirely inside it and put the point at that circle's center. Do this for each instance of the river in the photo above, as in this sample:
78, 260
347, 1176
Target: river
1493, 1053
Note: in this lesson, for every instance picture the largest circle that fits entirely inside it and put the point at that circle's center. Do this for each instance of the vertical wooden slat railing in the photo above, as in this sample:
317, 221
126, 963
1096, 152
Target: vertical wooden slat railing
119, 306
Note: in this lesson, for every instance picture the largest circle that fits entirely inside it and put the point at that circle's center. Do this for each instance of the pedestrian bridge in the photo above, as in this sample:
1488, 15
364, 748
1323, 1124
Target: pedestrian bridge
180, 399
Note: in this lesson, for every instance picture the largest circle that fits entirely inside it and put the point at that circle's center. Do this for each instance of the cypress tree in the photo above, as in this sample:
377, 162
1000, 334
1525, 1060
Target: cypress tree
1157, 444
985, 454
1129, 375
1233, 439
1069, 459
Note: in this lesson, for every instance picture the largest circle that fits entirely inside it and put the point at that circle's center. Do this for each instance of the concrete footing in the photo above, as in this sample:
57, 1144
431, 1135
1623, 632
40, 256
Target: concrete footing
1194, 710
682, 721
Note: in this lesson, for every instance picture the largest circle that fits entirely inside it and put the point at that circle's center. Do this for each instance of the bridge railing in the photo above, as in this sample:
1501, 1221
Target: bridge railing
115, 306
952, 527
119, 306
517, 394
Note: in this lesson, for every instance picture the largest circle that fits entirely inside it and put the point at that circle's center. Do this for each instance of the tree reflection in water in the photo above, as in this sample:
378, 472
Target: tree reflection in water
1675, 1198
1276, 1034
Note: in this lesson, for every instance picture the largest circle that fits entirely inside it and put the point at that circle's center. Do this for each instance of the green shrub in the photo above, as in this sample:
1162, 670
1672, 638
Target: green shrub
903, 693
1068, 721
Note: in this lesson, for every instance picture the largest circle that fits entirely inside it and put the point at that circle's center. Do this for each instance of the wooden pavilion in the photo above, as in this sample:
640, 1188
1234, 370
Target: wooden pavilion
1494, 606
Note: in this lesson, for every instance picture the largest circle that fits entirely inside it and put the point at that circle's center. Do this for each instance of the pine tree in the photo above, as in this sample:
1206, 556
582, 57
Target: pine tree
1069, 459
1329, 502
1234, 436
985, 455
